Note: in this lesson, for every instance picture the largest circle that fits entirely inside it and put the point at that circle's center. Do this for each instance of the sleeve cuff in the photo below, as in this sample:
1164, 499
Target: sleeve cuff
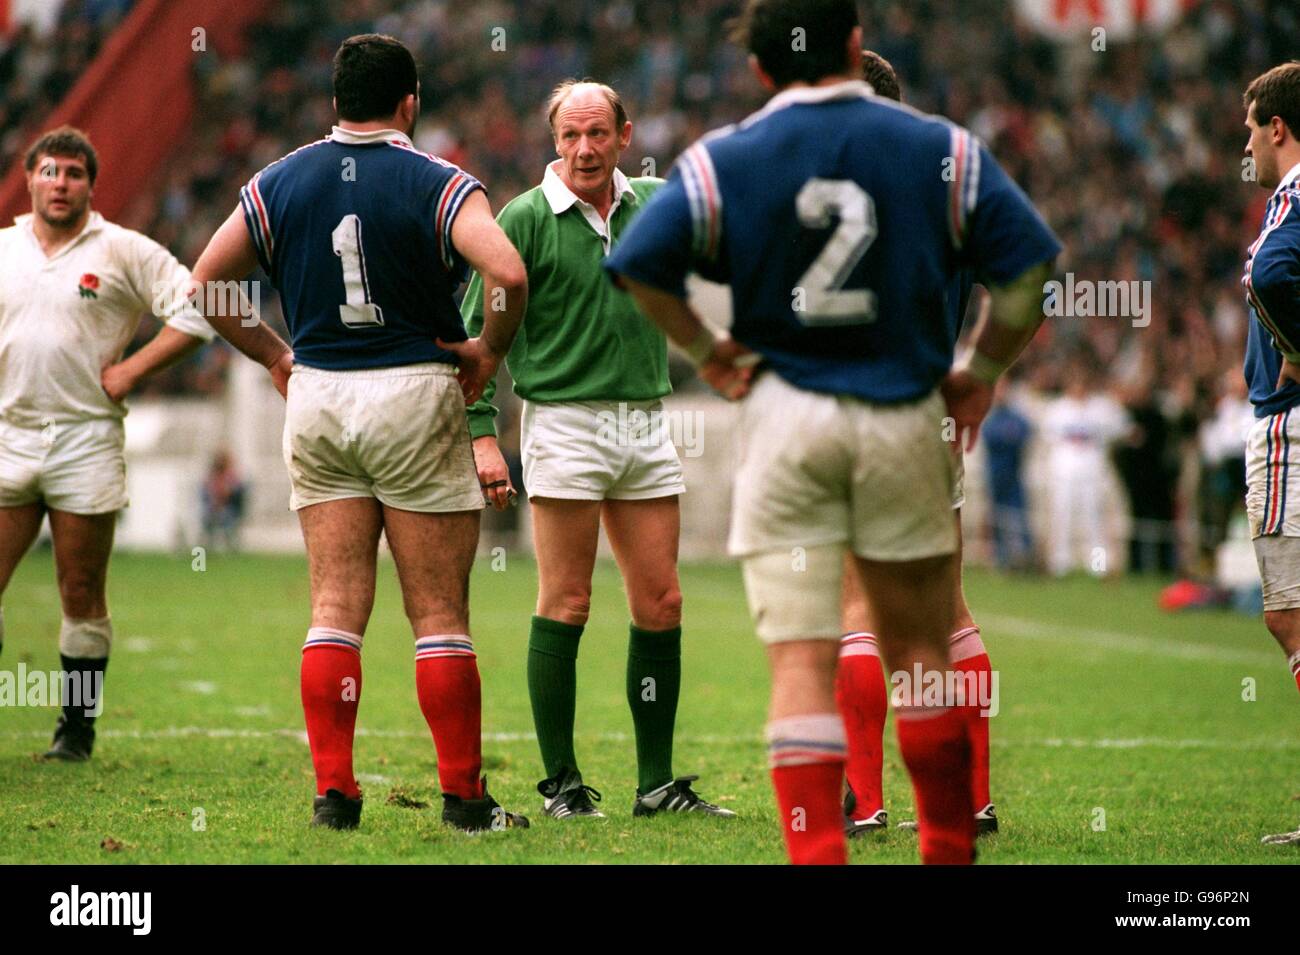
191, 323
481, 425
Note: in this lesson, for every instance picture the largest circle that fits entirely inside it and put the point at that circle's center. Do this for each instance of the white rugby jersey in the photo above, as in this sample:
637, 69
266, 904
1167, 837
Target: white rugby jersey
64, 318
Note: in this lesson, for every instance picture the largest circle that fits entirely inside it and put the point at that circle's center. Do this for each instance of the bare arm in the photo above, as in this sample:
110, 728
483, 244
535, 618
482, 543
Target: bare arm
477, 237
723, 362
230, 257
164, 349
1004, 329
1008, 324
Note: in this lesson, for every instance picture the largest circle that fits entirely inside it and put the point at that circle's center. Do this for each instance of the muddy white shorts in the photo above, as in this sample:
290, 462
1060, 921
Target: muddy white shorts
77, 467
1273, 506
398, 435
824, 469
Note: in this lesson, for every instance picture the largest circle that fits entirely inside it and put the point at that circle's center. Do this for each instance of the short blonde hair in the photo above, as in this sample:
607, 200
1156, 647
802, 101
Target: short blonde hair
562, 91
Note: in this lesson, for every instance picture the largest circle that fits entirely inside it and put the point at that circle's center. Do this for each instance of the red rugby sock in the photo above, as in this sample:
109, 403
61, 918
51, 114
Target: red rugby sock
936, 749
447, 683
331, 690
863, 703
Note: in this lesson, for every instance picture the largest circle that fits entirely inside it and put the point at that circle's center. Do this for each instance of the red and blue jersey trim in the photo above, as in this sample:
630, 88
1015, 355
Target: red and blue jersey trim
1276, 216
705, 201
1277, 467
963, 188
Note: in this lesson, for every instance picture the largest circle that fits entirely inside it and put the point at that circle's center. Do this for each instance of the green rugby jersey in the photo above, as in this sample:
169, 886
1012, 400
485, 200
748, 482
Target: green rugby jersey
582, 339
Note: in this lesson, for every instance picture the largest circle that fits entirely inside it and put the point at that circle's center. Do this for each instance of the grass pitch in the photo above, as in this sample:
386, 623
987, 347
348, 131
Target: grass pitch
1112, 714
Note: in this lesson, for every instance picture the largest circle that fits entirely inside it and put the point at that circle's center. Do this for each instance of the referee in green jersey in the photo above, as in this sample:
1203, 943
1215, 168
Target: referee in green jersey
591, 371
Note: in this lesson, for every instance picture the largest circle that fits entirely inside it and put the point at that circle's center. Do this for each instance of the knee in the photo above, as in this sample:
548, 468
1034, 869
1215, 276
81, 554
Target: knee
82, 594
347, 608
659, 611
1284, 625
571, 606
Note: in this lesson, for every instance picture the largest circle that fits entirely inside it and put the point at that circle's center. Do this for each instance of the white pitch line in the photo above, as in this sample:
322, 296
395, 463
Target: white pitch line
1088, 637
223, 732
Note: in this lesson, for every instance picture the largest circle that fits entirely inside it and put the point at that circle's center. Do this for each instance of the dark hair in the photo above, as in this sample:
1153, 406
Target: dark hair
1277, 93
879, 72
64, 141
797, 40
562, 91
372, 74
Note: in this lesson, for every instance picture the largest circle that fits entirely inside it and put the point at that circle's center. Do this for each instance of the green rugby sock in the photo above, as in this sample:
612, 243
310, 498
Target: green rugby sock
654, 680
553, 689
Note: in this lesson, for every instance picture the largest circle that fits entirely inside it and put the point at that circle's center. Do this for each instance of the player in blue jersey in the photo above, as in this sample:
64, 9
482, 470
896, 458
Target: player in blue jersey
840, 219
1272, 284
367, 239
860, 685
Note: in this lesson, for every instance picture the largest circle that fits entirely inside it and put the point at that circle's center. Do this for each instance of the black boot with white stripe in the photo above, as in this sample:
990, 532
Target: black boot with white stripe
564, 796
676, 796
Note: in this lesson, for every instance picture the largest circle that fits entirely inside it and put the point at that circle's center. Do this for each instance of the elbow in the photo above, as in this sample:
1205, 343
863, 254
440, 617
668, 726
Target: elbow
513, 278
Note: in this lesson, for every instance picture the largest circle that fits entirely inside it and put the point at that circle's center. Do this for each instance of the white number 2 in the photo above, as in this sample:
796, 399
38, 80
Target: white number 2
826, 301
359, 310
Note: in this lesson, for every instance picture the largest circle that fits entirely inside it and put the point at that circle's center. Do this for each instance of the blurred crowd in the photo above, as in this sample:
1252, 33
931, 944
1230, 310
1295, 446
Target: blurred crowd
40, 62
1133, 153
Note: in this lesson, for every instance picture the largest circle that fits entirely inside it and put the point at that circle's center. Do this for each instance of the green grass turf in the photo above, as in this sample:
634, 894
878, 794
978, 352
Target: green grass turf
1107, 704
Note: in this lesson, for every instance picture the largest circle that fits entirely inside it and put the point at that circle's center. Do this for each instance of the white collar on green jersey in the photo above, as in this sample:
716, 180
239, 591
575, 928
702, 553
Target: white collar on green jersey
561, 197
353, 137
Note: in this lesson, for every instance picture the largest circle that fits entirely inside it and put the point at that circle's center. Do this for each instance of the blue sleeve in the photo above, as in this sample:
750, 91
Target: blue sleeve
253, 198
451, 196
656, 249
1004, 234
1272, 278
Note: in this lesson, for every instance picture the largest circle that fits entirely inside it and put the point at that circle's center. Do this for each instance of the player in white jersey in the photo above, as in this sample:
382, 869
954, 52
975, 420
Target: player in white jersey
1080, 427
73, 288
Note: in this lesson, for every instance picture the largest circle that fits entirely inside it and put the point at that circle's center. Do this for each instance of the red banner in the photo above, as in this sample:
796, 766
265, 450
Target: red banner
1121, 19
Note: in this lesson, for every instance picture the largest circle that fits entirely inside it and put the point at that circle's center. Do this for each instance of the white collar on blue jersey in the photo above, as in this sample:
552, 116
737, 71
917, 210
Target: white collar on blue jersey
1289, 179
353, 137
561, 197
849, 89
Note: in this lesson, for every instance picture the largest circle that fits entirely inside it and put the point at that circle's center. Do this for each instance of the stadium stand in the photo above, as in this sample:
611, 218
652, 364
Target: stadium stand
1160, 114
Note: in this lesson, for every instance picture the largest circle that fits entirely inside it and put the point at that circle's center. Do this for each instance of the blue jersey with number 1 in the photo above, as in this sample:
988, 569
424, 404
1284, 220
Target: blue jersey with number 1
842, 222
355, 232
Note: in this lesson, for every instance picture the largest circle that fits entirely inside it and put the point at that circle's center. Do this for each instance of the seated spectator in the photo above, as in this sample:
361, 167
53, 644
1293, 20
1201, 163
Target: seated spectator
223, 504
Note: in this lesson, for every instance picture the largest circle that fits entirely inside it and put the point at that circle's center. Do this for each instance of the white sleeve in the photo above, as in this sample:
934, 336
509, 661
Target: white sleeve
162, 284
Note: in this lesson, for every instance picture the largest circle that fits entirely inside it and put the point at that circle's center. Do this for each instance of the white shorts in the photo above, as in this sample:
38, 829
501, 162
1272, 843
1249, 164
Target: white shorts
77, 467
598, 450
1273, 506
821, 469
1272, 488
398, 435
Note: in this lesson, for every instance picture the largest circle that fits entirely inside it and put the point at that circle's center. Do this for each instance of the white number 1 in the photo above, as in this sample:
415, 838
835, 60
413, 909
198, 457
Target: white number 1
826, 301
359, 310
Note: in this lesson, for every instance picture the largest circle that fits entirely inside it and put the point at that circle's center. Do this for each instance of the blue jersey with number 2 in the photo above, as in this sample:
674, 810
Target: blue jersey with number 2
842, 221
355, 232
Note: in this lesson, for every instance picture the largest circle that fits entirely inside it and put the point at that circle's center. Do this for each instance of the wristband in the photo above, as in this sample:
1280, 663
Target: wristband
980, 366
701, 347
